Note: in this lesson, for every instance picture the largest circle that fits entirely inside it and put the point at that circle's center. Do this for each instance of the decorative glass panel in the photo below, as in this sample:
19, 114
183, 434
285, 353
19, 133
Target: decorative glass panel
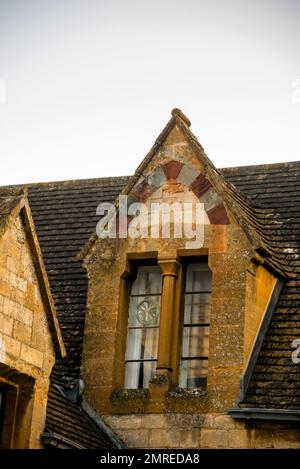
143, 327
144, 311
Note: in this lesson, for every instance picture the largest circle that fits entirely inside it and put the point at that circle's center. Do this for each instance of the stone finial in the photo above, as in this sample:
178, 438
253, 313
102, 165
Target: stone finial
178, 113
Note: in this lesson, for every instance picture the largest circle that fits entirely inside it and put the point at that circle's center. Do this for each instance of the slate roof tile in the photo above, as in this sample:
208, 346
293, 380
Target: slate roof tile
275, 186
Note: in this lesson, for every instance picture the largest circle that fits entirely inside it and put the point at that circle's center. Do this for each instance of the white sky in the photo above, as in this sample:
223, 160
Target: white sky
86, 86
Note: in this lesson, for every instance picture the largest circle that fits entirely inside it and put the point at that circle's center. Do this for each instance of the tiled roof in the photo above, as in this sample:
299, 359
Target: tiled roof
68, 424
275, 381
64, 216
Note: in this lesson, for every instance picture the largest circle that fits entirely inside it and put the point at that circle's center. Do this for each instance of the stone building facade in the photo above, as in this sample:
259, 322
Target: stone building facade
155, 341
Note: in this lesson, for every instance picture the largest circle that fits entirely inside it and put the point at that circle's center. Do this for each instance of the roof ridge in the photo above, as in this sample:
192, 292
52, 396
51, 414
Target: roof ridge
261, 166
30, 185
106, 179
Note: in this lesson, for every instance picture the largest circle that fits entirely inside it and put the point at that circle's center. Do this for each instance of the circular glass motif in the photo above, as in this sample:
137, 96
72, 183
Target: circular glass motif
147, 313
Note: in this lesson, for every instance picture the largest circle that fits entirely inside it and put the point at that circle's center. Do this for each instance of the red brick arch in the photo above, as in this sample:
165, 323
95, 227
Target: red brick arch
175, 171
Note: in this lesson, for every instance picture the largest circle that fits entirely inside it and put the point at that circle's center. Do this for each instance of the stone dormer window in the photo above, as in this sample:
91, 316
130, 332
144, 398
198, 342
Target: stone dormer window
168, 323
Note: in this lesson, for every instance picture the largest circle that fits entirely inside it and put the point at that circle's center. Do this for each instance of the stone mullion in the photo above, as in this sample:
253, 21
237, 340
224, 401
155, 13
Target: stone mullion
169, 268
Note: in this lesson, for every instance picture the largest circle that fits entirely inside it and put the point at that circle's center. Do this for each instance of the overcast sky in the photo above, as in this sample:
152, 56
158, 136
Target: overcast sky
86, 86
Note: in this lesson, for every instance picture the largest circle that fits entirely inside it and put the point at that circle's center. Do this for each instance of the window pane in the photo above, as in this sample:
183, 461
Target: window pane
143, 324
138, 374
197, 308
148, 280
193, 373
198, 278
144, 311
142, 344
195, 342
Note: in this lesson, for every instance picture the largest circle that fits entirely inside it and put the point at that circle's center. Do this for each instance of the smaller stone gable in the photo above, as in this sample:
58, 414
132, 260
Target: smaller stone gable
26, 346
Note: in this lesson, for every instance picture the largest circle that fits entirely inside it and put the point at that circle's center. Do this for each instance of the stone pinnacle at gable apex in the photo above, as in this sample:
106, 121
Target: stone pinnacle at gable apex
177, 112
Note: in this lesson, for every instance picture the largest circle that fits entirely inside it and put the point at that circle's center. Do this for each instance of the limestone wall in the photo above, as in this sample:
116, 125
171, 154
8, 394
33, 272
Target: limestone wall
212, 430
26, 344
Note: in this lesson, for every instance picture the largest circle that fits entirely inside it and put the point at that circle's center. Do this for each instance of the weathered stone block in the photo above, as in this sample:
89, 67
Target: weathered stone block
6, 324
12, 264
185, 421
30, 296
10, 346
124, 421
262, 438
13, 279
287, 439
38, 339
32, 356
22, 332
239, 439
154, 421
211, 438
134, 438
190, 438
22, 284
223, 422
160, 438
17, 311
5, 289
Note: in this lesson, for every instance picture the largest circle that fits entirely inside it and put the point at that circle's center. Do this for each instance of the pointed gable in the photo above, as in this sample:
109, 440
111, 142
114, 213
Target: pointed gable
14, 204
178, 159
